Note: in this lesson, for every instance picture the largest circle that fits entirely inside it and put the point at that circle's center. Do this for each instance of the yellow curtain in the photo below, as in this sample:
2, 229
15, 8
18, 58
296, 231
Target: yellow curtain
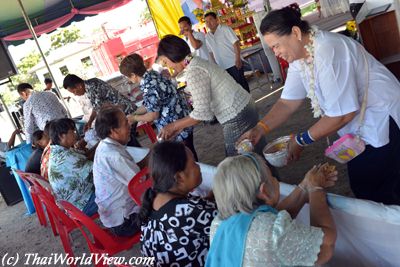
165, 15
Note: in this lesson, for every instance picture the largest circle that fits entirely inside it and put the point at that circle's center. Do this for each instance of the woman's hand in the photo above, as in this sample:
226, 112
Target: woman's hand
131, 118
169, 131
294, 150
254, 135
320, 176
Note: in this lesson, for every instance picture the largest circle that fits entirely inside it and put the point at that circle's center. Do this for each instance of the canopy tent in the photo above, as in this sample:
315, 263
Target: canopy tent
47, 15
43, 16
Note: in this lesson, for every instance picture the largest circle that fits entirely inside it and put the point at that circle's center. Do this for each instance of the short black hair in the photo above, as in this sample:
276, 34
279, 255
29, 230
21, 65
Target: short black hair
22, 87
106, 120
132, 64
48, 80
71, 81
173, 47
281, 22
36, 136
60, 127
213, 14
185, 19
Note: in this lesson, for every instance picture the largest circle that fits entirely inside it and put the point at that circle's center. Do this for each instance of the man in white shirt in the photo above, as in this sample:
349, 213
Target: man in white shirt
113, 168
224, 47
39, 108
195, 40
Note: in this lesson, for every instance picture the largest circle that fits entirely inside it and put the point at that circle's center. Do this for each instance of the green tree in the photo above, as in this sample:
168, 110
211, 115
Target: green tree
145, 16
64, 36
28, 62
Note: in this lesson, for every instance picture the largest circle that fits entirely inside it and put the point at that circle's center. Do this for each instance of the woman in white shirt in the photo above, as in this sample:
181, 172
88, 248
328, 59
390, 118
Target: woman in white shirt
214, 93
332, 71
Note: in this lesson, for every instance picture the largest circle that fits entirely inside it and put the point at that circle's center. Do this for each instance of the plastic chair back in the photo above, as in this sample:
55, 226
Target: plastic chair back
64, 224
139, 184
102, 241
149, 131
31, 179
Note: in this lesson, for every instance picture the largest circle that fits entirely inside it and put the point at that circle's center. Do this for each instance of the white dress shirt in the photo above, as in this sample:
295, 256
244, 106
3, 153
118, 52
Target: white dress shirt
40, 108
220, 43
203, 50
340, 83
113, 168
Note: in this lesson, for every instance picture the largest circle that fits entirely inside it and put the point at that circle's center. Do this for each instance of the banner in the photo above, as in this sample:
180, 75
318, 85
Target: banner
165, 15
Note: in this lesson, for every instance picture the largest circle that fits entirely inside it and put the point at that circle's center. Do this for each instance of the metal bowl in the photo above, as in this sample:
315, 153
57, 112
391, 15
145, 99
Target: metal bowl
276, 151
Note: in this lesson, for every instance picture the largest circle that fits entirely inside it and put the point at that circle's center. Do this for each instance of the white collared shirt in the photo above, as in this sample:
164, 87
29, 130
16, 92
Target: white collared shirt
113, 168
220, 43
203, 50
340, 83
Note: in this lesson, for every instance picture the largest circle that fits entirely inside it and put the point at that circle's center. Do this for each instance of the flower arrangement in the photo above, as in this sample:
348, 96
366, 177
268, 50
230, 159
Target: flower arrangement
308, 66
199, 14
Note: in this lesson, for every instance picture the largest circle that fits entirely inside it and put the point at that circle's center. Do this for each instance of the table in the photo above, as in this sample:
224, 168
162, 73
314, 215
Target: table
256, 52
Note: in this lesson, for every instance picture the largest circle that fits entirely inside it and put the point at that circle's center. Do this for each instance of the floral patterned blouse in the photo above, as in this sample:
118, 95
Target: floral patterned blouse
277, 240
70, 176
100, 92
160, 95
44, 163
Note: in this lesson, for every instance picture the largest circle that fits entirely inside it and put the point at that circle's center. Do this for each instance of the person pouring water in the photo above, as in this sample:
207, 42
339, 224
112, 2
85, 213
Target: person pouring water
335, 73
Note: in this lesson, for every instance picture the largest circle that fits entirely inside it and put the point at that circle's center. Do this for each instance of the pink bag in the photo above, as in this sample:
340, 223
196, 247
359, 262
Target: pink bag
345, 148
350, 146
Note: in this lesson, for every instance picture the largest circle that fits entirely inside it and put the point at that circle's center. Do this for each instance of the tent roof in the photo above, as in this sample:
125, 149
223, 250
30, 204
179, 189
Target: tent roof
49, 14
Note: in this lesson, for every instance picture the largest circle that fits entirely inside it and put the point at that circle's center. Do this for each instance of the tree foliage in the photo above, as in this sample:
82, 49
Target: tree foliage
64, 36
28, 62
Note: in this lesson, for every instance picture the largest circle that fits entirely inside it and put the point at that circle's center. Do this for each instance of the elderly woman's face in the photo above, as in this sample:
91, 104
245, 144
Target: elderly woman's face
166, 62
288, 47
272, 185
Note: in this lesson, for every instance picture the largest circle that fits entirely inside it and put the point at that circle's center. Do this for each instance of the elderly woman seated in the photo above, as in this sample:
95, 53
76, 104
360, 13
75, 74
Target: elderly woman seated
113, 168
254, 229
175, 225
70, 173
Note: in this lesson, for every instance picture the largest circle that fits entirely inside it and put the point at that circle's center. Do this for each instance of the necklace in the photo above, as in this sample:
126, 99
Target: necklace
187, 59
308, 66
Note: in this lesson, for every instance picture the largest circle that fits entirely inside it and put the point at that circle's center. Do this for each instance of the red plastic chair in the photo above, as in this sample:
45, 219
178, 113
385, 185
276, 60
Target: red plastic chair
64, 224
139, 184
31, 179
149, 131
102, 241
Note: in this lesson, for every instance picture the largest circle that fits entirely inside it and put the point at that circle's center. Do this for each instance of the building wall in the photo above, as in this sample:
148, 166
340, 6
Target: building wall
74, 65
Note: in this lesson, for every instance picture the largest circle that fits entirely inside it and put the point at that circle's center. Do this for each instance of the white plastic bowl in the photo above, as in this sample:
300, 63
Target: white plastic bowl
276, 158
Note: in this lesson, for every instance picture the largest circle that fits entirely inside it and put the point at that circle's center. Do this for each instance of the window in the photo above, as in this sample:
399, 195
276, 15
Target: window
64, 70
46, 75
86, 62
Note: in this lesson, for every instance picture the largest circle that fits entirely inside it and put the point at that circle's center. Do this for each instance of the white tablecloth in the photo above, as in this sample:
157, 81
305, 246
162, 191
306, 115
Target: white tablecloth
138, 153
368, 232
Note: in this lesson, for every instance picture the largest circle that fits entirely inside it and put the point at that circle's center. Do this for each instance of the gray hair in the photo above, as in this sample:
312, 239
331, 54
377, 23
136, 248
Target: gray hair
237, 182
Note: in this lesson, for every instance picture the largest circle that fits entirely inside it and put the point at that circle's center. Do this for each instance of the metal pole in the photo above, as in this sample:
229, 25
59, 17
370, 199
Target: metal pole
32, 30
152, 17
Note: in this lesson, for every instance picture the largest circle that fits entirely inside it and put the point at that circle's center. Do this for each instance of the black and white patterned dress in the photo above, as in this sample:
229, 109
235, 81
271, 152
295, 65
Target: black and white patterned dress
178, 233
